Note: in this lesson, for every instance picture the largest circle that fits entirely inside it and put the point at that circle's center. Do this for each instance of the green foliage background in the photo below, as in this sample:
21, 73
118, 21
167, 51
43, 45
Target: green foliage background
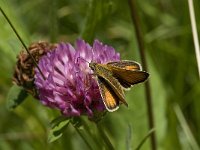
171, 61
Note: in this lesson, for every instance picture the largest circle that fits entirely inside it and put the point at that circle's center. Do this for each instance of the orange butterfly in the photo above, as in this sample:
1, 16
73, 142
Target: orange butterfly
113, 77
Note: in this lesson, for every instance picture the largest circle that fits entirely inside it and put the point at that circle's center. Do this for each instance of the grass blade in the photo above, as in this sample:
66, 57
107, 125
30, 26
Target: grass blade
144, 139
186, 128
194, 33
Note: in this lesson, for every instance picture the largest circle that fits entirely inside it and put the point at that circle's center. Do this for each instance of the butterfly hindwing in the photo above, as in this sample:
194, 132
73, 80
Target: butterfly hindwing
110, 99
103, 72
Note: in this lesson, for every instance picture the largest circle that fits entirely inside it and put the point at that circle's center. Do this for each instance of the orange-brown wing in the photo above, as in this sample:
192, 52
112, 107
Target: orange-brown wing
102, 71
127, 72
110, 98
129, 78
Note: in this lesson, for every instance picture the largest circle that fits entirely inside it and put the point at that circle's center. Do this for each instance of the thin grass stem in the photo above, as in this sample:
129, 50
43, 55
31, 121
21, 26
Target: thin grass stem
136, 22
144, 139
194, 33
20, 39
185, 127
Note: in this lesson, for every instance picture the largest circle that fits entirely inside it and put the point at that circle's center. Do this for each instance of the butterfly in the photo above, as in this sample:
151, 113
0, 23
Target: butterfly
114, 77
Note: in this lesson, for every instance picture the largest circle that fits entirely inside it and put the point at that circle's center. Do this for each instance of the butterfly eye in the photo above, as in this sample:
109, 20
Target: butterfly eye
92, 66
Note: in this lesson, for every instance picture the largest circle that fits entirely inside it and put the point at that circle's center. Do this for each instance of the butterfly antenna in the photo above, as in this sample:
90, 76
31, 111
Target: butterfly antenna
34, 61
81, 59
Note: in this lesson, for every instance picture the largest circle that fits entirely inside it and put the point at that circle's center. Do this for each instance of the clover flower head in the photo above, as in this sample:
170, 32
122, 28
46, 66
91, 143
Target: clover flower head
69, 84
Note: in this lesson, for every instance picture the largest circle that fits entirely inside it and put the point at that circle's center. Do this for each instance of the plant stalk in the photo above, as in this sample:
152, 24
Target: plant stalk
141, 45
82, 136
105, 138
24, 45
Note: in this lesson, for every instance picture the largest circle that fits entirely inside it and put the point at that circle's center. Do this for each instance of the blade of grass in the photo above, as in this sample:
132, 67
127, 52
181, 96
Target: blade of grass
194, 33
144, 139
185, 127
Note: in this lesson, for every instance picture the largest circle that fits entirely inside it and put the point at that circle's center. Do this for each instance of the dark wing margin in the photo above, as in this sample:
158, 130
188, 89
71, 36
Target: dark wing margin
110, 99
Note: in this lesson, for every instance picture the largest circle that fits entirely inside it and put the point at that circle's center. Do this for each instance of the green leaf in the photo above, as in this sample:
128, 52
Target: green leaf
57, 130
15, 96
55, 122
77, 122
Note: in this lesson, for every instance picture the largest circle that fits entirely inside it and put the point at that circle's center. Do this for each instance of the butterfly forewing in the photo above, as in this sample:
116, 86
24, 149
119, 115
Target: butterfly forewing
127, 72
110, 99
132, 78
125, 64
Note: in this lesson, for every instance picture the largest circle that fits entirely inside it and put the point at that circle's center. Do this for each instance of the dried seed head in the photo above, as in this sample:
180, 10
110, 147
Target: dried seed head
24, 68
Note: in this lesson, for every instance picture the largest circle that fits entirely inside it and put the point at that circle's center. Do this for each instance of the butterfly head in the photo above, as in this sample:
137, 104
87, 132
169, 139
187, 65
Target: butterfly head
93, 65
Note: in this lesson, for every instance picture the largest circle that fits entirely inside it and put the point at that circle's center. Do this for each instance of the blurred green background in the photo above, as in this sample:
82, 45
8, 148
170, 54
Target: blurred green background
170, 56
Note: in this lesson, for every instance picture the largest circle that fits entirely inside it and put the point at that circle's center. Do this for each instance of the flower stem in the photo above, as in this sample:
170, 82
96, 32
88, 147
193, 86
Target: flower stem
24, 45
135, 19
105, 138
87, 128
82, 136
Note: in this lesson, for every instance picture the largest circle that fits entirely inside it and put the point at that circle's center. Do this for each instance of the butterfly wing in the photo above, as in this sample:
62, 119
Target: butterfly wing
129, 78
110, 99
125, 64
128, 73
101, 71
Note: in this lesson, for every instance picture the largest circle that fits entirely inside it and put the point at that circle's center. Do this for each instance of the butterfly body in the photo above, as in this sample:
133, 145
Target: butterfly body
113, 77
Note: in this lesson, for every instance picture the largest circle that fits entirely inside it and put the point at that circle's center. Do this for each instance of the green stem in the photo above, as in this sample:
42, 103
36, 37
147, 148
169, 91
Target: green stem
82, 136
15, 31
86, 127
104, 137
137, 25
